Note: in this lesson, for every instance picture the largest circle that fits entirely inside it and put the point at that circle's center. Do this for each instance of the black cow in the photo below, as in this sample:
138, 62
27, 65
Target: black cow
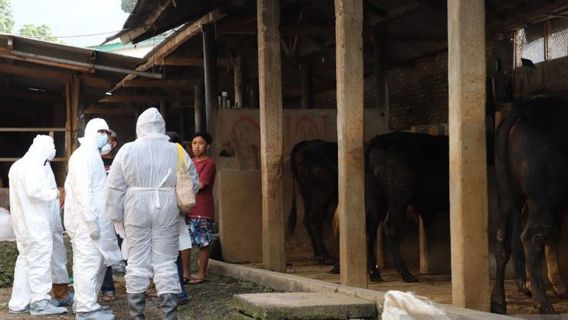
314, 168
403, 169
531, 158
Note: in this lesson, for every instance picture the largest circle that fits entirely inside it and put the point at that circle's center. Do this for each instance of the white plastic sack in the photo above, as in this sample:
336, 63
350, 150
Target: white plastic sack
6, 230
405, 305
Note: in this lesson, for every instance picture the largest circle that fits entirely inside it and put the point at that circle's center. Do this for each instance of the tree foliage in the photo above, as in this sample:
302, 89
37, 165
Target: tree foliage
40, 32
6, 17
128, 5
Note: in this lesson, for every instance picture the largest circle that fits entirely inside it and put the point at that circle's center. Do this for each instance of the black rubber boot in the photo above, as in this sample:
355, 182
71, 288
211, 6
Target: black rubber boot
169, 305
136, 302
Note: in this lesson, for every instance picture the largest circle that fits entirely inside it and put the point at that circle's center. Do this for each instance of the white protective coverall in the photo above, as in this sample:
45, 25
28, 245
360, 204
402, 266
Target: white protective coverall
84, 212
141, 194
37, 225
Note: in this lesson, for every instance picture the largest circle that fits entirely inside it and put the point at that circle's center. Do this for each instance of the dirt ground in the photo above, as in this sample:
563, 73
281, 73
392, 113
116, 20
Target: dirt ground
208, 300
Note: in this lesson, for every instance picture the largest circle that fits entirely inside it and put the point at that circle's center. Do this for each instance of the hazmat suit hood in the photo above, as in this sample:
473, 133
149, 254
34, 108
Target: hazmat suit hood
91, 129
42, 148
150, 124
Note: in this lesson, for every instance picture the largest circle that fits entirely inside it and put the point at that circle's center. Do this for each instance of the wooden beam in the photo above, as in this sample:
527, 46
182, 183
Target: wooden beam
181, 36
110, 111
351, 208
169, 45
271, 131
31, 95
468, 166
91, 81
191, 62
148, 22
169, 83
134, 98
31, 72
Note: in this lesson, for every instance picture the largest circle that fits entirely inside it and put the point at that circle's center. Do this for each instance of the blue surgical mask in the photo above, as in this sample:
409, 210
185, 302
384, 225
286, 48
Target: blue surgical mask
102, 139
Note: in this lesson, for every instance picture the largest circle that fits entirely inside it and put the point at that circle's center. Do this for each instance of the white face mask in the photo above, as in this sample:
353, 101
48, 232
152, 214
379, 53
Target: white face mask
101, 139
106, 149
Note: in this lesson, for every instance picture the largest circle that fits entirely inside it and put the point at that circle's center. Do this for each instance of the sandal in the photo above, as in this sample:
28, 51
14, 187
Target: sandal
196, 280
109, 296
186, 280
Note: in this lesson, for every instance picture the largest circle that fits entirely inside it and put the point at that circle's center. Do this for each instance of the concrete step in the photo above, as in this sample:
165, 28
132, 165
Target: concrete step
302, 305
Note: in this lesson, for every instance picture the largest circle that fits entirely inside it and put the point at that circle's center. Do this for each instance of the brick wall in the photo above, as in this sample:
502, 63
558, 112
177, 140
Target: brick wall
418, 93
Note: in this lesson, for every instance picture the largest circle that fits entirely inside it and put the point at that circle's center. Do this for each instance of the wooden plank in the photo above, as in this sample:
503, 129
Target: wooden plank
351, 208
190, 62
31, 95
134, 98
169, 83
110, 111
151, 18
34, 129
271, 130
31, 72
468, 168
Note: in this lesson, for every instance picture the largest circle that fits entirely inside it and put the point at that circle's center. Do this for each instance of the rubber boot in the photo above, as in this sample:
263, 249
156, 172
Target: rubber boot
169, 305
136, 302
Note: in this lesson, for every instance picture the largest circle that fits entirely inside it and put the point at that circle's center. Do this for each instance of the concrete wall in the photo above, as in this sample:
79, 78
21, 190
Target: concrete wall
238, 140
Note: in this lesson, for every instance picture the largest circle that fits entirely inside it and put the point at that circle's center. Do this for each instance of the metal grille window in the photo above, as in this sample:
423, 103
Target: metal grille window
559, 43
532, 43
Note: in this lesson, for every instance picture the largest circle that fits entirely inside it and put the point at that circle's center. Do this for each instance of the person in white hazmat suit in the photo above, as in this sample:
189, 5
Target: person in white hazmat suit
92, 235
141, 198
34, 204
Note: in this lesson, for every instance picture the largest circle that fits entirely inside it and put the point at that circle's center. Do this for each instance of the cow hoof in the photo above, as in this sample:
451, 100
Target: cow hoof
374, 276
334, 269
408, 278
326, 260
546, 309
498, 307
561, 293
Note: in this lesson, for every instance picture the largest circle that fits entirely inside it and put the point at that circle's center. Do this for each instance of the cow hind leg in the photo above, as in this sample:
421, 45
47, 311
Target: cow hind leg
372, 268
315, 228
502, 255
553, 266
534, 238
392, 226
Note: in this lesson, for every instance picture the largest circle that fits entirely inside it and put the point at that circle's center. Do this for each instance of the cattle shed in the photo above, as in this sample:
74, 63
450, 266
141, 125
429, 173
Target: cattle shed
264, 75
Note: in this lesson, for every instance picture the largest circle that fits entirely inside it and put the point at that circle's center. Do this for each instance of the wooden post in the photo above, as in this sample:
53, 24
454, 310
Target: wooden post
75, 92
381, 101
68, 122
468, 177
307, 86
423, 247
210, 75
349, 70
270, 85
238, 79
197, 91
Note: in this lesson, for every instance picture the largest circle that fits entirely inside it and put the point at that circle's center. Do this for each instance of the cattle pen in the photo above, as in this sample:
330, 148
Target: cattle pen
264, 75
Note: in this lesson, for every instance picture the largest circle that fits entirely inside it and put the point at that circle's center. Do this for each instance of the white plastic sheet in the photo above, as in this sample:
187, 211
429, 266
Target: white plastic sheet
405, 305
6, 229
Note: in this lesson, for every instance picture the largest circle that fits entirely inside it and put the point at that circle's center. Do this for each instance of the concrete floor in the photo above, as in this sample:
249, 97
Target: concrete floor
434, 287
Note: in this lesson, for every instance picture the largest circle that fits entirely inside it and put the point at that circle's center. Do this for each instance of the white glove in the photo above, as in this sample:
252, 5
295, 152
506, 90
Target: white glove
119, 228
94, 230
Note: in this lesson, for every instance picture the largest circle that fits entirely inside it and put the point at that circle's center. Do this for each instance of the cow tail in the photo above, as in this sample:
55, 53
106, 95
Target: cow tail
293, 215
505, 184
